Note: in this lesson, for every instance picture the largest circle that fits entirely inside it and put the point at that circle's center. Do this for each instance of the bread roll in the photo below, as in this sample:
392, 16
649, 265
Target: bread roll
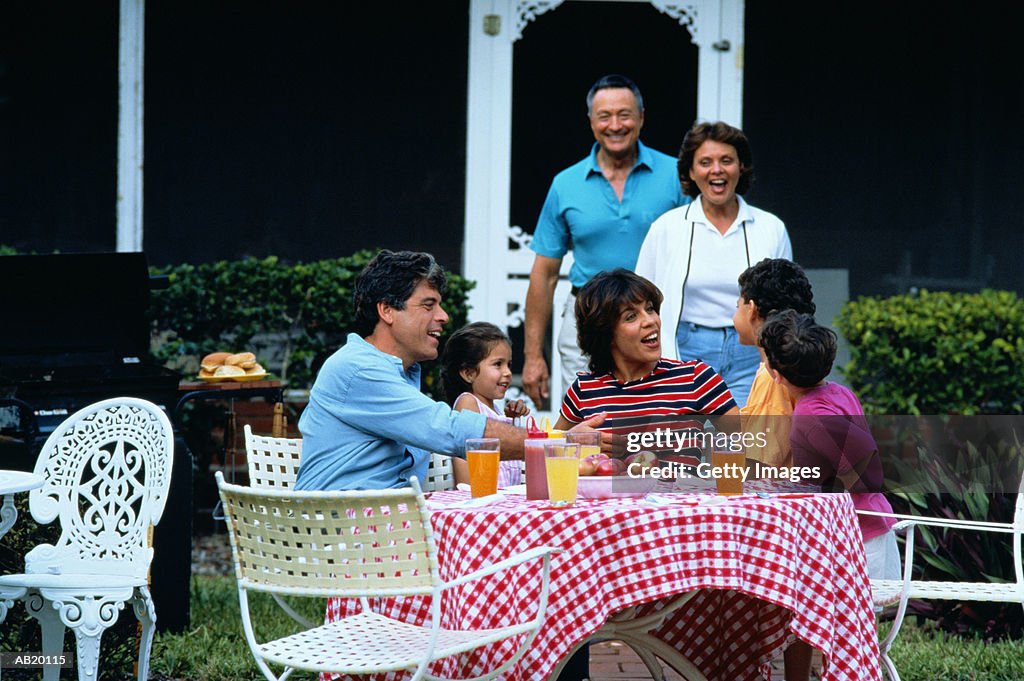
228, 370
246, 360
213, 360
255, 369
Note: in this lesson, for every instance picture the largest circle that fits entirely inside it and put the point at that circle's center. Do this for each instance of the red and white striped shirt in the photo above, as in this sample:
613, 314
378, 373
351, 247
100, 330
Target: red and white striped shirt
671, 390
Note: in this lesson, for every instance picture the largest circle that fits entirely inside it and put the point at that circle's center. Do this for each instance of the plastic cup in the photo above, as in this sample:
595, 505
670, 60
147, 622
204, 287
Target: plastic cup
482, 458
589, 442
562, 463
727, 468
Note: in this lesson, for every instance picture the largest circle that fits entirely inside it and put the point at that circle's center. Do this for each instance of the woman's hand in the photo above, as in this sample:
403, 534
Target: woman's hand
516, 408
612, 444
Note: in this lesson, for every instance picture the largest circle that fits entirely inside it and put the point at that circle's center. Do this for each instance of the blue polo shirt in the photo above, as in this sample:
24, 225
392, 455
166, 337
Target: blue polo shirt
582, 213
368, 426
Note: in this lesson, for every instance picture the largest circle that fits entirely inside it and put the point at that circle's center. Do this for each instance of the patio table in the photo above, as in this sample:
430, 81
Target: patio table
12, 482
757, 572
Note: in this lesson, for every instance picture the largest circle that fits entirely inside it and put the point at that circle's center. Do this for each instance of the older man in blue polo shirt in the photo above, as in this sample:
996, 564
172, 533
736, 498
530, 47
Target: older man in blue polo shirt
601, 209
367, 425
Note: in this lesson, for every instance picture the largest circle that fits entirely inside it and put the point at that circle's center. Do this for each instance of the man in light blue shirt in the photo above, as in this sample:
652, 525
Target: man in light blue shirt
367, 425
600, 209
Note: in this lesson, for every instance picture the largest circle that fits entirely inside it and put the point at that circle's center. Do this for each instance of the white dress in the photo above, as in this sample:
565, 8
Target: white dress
509, 472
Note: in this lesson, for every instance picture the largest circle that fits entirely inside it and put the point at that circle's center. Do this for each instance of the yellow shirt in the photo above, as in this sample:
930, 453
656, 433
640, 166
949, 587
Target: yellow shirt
768, 399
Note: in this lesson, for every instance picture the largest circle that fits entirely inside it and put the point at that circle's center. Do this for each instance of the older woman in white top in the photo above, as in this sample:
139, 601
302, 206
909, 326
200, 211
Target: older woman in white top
695, 253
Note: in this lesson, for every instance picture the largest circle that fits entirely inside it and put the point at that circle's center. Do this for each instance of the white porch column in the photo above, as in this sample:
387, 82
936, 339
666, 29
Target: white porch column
488, 154
131, 48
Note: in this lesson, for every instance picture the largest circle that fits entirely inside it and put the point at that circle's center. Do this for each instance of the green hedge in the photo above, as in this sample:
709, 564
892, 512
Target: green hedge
936, 353
293, 316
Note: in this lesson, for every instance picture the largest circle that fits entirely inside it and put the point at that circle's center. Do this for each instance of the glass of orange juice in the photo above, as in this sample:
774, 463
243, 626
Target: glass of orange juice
589, 442
562, 461
727, 468
482, 457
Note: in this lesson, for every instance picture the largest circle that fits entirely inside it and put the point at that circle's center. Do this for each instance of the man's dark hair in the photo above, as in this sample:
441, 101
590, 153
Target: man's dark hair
614, 80
716, 132
777, 284
798, 347
598, 308
391, 278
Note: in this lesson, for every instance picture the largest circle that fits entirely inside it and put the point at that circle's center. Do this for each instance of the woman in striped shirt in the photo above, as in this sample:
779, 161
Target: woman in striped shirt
619, 329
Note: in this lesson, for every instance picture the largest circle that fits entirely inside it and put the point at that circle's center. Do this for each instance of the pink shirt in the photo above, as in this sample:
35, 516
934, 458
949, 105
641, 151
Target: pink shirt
830, 431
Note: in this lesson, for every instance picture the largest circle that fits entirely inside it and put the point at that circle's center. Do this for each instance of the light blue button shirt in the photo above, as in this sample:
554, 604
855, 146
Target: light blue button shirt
582, 213
368, 426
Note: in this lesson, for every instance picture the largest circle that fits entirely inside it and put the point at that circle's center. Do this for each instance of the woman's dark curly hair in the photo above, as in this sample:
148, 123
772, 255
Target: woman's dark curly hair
598, 308
716, 132
798, 347
465, 349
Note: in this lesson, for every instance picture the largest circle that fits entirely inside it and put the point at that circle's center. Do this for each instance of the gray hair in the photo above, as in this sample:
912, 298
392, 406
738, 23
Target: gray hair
614, 80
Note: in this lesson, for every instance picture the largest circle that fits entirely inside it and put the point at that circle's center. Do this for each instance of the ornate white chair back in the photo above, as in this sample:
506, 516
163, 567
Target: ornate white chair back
108, 471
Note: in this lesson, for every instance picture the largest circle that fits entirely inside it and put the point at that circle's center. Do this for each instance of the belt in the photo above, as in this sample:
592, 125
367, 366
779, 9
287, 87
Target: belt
707, 328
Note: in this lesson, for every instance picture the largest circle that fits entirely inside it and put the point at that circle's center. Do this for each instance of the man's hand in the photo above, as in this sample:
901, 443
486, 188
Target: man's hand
539, 295
535, 379
516, 408
612, 444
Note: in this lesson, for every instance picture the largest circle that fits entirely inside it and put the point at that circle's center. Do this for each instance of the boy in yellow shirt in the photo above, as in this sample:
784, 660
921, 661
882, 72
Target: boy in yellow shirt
772, 285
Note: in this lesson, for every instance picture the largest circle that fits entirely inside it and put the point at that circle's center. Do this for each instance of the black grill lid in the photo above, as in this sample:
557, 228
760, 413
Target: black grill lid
74, 309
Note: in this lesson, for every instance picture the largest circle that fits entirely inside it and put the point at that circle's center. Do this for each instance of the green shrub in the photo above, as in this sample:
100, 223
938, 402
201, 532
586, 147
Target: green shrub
292, 316
936, 353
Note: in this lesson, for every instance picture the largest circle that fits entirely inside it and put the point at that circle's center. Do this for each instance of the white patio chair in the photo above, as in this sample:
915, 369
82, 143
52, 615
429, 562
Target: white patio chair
108, 471
440, 473
886, 592
273, 461
274, 465
356, 544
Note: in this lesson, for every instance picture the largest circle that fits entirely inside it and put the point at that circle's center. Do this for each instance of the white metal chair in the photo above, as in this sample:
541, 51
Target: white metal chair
440, 473
355, 544
108, 471
273, 461
886, 592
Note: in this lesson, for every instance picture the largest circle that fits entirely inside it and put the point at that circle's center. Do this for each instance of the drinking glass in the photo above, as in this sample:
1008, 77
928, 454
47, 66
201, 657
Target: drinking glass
727, 467
562, 462
589, 442
482, 457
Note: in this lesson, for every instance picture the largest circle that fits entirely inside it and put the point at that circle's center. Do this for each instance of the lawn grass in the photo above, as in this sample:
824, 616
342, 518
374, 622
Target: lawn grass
214, 648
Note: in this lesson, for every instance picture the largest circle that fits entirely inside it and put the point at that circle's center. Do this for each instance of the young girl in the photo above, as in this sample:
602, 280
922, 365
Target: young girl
475, 372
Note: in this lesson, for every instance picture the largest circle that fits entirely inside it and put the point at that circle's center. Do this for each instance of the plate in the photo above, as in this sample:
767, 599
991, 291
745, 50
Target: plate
610, 486
237, 379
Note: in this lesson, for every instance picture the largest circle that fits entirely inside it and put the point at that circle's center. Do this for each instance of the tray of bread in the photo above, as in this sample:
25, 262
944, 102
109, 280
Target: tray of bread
230, 366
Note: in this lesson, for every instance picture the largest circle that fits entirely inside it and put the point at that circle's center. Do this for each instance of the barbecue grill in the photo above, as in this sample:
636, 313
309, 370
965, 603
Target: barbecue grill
75, 332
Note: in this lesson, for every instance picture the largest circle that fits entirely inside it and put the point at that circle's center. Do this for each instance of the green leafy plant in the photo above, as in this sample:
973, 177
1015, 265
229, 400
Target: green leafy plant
936, 353
293, 316
978, 482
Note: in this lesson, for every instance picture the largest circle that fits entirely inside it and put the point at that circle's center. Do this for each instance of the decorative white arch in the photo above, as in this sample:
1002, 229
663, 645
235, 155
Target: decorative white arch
715, 27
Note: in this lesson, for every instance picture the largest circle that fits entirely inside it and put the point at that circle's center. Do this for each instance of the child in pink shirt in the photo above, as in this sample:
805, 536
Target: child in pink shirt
829, 430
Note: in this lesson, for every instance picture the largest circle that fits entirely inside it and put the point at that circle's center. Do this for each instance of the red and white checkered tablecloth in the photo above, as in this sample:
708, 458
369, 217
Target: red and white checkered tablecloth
767, 569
